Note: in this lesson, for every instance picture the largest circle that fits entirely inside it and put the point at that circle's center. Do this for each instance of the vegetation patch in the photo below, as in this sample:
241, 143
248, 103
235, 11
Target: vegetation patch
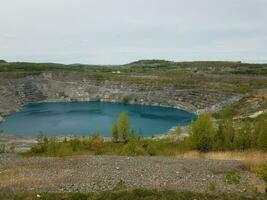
121, 185
232, 177
262, 172
95, 145
212, 186
139, 194
205, 134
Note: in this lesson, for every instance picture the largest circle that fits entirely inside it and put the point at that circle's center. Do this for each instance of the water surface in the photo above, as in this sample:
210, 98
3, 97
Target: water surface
87, 118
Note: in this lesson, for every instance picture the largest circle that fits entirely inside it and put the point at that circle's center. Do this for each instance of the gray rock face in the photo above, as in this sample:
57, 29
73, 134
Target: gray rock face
1, 119
71, 86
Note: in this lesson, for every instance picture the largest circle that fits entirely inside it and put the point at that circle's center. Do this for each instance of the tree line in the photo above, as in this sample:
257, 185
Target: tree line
206, 134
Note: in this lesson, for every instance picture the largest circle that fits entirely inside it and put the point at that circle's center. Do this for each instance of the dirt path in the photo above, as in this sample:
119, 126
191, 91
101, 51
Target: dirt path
94, 173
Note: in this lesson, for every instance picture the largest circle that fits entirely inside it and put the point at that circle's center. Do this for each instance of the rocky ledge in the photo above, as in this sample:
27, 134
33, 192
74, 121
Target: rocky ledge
71, 86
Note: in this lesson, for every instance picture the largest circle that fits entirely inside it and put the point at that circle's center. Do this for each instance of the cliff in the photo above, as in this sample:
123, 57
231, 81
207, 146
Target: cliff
72, 86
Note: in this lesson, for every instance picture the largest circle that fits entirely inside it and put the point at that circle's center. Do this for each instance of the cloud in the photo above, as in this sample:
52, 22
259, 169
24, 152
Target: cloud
10, 36
121, 31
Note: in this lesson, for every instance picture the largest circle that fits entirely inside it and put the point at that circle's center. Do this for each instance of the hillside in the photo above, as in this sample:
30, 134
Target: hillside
194, 86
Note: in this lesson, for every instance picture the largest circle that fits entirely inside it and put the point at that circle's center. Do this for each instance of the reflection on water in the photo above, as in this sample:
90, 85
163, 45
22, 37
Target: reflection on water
86, 118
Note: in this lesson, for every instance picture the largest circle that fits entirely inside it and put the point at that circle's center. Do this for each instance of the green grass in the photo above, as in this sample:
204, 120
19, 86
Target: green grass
261, 171
212, 186
232, 178
139, 194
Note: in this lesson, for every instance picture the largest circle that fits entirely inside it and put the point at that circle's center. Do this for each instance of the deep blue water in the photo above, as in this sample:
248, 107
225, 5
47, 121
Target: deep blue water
87, 118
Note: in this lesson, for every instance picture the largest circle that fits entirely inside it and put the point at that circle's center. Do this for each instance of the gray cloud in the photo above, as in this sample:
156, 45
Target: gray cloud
120, 31
10, 36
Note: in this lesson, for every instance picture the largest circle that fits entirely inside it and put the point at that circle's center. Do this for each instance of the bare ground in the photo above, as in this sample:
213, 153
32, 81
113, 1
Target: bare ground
98, 173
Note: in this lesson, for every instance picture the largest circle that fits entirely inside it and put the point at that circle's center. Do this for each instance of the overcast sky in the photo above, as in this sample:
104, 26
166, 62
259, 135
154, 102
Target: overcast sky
121, 31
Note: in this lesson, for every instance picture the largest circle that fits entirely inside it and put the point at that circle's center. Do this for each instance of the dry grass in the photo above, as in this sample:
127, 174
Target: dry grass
249, 159
32, 175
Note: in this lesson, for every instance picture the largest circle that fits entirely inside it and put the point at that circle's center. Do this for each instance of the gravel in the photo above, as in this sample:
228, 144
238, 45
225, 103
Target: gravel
98, 173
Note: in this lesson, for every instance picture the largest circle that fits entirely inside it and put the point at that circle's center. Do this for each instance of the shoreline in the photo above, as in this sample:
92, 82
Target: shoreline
22, 143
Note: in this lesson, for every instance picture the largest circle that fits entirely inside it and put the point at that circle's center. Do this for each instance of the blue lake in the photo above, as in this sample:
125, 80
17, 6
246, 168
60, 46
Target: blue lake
87, 118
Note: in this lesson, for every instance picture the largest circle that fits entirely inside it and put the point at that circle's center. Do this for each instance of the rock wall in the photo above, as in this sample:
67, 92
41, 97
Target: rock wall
71, 86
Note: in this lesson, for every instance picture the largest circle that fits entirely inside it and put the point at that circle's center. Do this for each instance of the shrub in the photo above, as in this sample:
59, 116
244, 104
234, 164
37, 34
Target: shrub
202, 133
151, 151
125, 100
232, 177
2, 148
262, 134
219, 139
96, 142
64, 150
121, 185
212, 186
178, 130
123, 127
244, 137
176, 133
262, 172
52, 146
12, 148
115, 132
38, 148
75, 144
132, 148
229, 134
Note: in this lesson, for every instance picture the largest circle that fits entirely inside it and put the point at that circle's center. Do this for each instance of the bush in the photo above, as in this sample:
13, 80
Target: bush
2, 148
202, 133
219, 139
262, 134
121, 185
262, 172
96, 142
64, 150
115, 132
212, 186
53, 146
125, 100
123, 127
244, 137
151, 151
75, 144
132, 148
229, 134
38, 148
232, 177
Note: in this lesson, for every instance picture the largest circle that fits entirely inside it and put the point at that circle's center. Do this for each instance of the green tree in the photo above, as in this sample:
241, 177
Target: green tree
229, 134
261, 129
202, 133
244, 137
115, 132
224, 136
219, 138
123, 127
